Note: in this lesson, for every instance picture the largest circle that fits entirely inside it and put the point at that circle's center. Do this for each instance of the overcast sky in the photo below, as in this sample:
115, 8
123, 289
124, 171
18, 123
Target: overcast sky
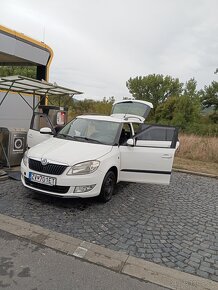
99, 44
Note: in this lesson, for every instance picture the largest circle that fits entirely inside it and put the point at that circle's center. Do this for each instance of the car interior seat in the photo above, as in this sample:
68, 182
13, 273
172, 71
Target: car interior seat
123, 137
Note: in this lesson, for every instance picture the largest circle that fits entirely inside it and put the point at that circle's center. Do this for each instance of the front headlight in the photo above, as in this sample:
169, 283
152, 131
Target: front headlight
25, 159
86, 167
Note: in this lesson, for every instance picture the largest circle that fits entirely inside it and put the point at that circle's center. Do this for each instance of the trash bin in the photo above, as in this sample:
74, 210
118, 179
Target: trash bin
12, 145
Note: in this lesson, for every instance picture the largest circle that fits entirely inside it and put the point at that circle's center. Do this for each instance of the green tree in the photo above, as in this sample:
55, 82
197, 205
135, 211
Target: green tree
27, 71
165, 111
180, 111
87, 106
187, 111
210, 96
190, 89
154, 88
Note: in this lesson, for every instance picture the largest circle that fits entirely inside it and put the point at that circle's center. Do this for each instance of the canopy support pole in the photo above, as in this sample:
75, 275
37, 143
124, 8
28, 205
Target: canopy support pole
34, 101
6, 157
42, 98
25, 100
6, 93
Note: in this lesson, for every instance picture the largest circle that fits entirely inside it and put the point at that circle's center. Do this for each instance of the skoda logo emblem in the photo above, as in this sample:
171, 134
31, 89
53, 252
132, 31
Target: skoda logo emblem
44, 161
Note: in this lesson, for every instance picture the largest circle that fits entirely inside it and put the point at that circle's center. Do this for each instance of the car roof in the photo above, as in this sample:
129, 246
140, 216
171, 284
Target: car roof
111, 118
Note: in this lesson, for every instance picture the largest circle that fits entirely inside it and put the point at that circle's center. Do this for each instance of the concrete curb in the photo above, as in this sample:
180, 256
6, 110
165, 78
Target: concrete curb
3, 175
3, 178
195, 173
115, 261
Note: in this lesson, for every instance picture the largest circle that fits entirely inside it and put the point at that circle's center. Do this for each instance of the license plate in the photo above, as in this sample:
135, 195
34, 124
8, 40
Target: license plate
51, 181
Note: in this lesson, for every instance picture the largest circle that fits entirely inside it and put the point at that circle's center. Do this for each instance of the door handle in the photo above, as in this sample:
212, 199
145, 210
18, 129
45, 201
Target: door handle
166, 156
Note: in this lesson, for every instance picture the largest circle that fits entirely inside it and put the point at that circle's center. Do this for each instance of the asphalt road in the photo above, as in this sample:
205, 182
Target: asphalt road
175, 226
26, 265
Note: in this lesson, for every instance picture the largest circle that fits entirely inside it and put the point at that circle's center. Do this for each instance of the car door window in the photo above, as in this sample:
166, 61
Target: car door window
39, 121
157, 136
126, 133
136, 128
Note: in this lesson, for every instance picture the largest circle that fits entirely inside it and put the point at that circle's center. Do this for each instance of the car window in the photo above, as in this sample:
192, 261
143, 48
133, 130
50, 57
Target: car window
136, 127
39, 121
156, 133
90, 130
132, 108
126, 133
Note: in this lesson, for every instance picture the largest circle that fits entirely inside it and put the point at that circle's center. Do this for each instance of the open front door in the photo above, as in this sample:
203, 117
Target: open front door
34, 137
150, 160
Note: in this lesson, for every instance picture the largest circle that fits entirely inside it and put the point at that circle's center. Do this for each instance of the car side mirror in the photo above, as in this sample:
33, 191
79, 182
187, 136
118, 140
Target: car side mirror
46, 130
130, 142
177, 144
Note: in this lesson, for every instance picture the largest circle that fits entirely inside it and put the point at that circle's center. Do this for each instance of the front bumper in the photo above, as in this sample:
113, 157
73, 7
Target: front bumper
65, 184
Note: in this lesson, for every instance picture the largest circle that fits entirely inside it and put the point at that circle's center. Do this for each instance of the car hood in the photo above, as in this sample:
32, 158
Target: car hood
67, 151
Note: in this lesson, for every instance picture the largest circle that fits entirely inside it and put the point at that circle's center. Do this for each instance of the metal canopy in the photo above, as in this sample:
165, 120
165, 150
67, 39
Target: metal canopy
20, 49
25, 85
7, 59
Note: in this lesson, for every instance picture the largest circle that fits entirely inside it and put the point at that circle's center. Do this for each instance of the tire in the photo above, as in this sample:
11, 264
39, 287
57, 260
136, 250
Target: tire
108, 185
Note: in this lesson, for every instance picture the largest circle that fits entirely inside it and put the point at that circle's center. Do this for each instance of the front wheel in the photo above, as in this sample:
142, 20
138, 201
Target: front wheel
108, 185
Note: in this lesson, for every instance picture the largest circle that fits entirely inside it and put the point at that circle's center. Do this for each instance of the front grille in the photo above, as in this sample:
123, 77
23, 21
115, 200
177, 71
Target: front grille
54, 169
55, 189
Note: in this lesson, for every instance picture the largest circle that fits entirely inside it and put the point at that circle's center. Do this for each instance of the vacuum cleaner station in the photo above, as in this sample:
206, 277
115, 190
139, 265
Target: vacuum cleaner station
23, 100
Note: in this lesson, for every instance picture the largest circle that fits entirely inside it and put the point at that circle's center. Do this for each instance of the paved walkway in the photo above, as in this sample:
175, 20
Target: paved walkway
175, 226
31, 258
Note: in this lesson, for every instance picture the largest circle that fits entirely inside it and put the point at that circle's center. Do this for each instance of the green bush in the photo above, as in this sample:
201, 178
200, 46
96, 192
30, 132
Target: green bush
202, 129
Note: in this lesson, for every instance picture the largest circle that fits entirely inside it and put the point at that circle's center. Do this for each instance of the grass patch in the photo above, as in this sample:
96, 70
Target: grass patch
198, 148
195, 165
197, 153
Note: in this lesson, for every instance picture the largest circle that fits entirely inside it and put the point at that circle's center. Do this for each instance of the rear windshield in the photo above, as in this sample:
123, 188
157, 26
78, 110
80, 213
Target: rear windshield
132, 108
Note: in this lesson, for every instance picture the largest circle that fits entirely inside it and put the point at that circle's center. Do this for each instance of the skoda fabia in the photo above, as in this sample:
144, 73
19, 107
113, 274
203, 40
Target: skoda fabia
92, 153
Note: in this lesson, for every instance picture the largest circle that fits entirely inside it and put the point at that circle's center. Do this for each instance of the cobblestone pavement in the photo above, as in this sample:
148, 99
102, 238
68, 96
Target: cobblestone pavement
175, 226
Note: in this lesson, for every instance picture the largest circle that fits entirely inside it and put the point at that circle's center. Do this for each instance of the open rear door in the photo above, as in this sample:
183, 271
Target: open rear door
131, 108
150, 160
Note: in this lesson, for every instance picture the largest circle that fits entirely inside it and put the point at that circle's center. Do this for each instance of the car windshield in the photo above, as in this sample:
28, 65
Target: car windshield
89, 130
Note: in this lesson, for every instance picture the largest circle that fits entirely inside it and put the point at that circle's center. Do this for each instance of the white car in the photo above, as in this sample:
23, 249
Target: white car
92, 153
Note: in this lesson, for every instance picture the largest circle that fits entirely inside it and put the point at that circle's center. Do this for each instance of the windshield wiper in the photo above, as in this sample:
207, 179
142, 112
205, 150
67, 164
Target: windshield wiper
78, 137
64, 135
87, 139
